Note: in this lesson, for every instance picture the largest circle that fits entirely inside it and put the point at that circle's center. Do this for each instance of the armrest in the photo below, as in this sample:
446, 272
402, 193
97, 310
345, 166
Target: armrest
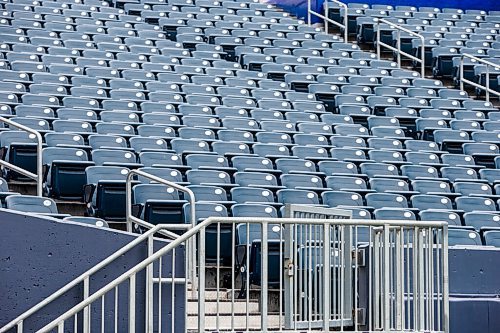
88, 192
45, 172
137, 210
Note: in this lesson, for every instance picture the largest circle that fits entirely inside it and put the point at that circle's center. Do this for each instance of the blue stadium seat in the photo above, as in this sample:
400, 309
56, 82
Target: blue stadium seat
33, 204
452, 218
482, 220
100, 223
459, 237
66, 171
249, 243
492, 238
104, 192
158, 203
205, 210
472, 204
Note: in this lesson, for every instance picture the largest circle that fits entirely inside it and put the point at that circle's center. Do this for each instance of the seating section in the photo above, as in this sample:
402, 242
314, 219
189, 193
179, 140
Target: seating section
247, 106
448, 33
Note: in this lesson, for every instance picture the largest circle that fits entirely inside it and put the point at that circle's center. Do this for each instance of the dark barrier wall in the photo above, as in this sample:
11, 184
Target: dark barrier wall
38, 256
299, 7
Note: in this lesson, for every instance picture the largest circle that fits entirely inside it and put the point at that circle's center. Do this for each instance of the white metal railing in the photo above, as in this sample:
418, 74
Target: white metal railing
38, 177
130, 218
327, 20
297, 314
397, 49
406, 264
486, 87
167, 231
84, 279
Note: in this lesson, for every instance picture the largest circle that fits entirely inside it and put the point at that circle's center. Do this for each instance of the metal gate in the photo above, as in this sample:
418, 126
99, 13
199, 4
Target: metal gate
317, 297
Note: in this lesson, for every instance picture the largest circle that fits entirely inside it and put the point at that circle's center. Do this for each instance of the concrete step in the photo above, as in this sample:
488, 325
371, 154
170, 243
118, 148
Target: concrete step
225, 308
28, 187
240, 323
73, 208
273, 301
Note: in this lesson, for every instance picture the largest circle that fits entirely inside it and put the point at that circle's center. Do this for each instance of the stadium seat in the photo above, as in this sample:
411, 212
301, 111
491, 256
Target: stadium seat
66, 172
459, 237
158, 203
33, 204
104, 192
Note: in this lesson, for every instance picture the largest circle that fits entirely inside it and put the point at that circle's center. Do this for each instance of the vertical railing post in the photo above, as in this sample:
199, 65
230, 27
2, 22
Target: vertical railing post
422, 52
39, 164
445, 277
398, 44
461, 72
377, 23
387, 272
487, 83
149, 289
201, 280
309, 16
327, 293
86, 310
128, 201
399, 278
265, 271
131, 304
346, 21
327, 30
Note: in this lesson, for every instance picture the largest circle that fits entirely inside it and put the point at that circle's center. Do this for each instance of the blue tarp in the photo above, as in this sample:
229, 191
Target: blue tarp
299, 7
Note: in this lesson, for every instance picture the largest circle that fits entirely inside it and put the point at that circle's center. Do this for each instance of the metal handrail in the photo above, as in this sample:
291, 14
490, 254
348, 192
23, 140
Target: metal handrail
191, 262
38, 177
397, 49
327, 19
486, 87
128, 208
18, 321
59, 321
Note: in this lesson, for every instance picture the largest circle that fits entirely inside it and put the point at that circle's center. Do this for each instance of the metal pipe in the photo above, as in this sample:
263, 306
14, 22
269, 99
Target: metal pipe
346, 17
201, 270
265, 273
386, 288
86, 310
190, 248
149, 289
329, 20
131, 303
39, 165
485, 87
461, 72
444, 268
487, 83
192, 199
411, 33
